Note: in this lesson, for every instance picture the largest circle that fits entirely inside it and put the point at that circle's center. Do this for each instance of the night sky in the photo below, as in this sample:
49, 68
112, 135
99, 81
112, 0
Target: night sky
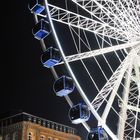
25, 84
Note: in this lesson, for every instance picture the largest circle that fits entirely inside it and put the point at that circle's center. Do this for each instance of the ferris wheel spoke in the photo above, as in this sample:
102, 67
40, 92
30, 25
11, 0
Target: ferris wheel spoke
134, 8
128, 10
123, 112
137, 71
72, 19
130, 107
129, 121
108, 87
131, 127
137, 119
100, 51
108, 12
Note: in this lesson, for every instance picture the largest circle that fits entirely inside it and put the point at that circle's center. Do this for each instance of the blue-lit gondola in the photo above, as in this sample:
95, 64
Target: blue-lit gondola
79, 113
50, 57
97, 134
63, 86
36, 6
41, 29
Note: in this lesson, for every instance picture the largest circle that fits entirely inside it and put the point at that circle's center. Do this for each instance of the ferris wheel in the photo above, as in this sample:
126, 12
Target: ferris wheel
98, 41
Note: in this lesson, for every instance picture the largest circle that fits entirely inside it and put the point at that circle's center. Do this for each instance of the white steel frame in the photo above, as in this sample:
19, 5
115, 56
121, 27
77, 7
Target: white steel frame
119, 20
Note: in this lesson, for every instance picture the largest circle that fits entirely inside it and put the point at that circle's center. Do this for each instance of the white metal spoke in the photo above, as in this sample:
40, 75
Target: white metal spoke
72, 19
108, 87
136, 120
101, 51
84, 64
131, 124
132, 10
133, 108
110, 13
137, 70
123, 112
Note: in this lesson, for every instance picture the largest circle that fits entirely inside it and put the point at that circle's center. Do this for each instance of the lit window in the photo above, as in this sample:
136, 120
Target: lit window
42, 137
15, 136
30, 137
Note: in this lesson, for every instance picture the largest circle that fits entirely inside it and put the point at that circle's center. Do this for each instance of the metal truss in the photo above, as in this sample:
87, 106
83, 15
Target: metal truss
117, 20
128, 127
85, 55
72, 19
116, 13
109, 86
129, 104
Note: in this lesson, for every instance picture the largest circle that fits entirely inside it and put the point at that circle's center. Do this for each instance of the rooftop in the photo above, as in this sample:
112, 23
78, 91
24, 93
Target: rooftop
11, 118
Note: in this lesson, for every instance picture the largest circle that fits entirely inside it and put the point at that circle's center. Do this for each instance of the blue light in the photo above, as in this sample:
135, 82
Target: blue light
50, 63
50, 57
36, 6
41, 29
41, 34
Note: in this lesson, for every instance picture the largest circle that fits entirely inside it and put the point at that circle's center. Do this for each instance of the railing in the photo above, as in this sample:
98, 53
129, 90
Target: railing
37, 120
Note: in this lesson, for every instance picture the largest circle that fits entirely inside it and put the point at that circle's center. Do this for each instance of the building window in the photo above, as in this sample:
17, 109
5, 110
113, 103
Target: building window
48, 124
42, 137
50, 138
15, 136
30, 136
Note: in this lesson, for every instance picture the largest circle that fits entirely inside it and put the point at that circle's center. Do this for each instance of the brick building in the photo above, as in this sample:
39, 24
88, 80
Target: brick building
24, 126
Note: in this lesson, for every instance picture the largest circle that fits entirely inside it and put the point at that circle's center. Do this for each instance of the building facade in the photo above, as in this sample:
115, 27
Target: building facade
24, 126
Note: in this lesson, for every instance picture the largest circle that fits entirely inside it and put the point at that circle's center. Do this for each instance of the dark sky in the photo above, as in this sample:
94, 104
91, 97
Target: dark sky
25, 84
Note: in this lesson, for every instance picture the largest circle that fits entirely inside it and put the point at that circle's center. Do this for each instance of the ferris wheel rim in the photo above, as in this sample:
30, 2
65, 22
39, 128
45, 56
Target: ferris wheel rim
75, 80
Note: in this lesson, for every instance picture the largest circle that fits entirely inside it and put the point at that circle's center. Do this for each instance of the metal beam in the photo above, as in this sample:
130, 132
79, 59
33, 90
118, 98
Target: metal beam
111, 13
123, 112
133, 108
97, 52
72, 19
